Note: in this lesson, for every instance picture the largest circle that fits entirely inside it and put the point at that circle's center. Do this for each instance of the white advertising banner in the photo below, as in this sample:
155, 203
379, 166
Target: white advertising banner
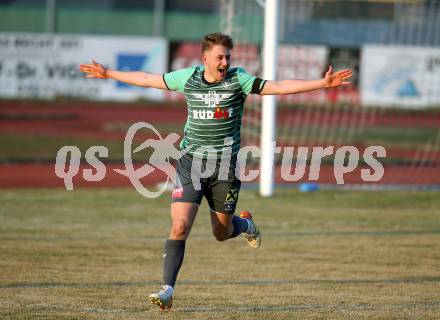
46, 66
400, 76
305, 62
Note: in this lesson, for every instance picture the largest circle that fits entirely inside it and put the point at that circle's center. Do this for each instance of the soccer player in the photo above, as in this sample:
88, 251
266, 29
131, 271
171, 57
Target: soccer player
215, 93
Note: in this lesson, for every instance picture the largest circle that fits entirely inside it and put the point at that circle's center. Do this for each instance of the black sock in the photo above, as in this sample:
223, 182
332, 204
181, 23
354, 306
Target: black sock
174, 251
240, 226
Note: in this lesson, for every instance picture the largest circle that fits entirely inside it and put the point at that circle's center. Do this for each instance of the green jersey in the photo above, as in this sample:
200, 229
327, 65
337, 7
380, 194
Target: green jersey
215, 110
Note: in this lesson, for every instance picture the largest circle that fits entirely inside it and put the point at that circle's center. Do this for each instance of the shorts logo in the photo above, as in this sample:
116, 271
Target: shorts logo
229, 206
231, 199
232, 195
177, 193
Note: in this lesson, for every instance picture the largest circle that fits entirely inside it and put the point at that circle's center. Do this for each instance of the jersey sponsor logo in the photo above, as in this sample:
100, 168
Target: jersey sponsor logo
212, 98
219, 113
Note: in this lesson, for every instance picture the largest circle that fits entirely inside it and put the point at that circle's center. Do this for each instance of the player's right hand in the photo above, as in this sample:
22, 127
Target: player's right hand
94, 70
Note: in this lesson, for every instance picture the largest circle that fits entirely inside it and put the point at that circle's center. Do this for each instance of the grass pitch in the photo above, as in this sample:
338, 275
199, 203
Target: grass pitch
97, 254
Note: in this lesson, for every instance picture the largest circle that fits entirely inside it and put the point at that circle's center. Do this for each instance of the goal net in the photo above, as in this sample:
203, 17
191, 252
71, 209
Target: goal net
393, 47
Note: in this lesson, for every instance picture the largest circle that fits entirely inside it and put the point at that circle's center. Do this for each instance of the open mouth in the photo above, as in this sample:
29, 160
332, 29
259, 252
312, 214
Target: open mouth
222, 72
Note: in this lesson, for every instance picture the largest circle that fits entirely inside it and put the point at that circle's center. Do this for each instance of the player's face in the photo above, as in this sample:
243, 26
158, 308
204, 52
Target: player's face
217, 61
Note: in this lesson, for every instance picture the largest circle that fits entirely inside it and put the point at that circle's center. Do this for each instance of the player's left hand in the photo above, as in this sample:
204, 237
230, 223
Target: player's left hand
337, 79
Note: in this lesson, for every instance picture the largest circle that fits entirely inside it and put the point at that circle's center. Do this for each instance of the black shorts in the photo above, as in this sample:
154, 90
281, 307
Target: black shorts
210, 178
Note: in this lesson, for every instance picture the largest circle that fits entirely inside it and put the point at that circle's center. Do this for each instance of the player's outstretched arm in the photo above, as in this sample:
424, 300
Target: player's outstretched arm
330, 80
137, 78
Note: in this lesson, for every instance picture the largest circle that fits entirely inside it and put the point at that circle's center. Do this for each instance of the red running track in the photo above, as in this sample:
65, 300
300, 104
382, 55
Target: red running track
87, 119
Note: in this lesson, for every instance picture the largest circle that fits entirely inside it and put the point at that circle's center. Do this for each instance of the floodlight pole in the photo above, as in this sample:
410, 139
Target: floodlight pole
159, 17
268, 117
50, 16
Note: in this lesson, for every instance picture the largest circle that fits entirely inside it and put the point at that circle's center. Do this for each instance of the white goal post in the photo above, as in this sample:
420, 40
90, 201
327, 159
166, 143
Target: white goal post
240, 19
268, 119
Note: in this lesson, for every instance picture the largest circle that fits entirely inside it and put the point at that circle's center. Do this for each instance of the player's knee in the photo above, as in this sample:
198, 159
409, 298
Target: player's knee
179, 229
220, 233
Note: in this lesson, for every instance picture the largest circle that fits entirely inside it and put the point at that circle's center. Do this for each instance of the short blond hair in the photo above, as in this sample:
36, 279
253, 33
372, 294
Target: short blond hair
217, 38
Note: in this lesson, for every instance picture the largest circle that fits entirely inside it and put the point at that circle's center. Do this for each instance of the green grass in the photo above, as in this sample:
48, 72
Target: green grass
388, 136
399, 137
45, 147
35, 148
96, 254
